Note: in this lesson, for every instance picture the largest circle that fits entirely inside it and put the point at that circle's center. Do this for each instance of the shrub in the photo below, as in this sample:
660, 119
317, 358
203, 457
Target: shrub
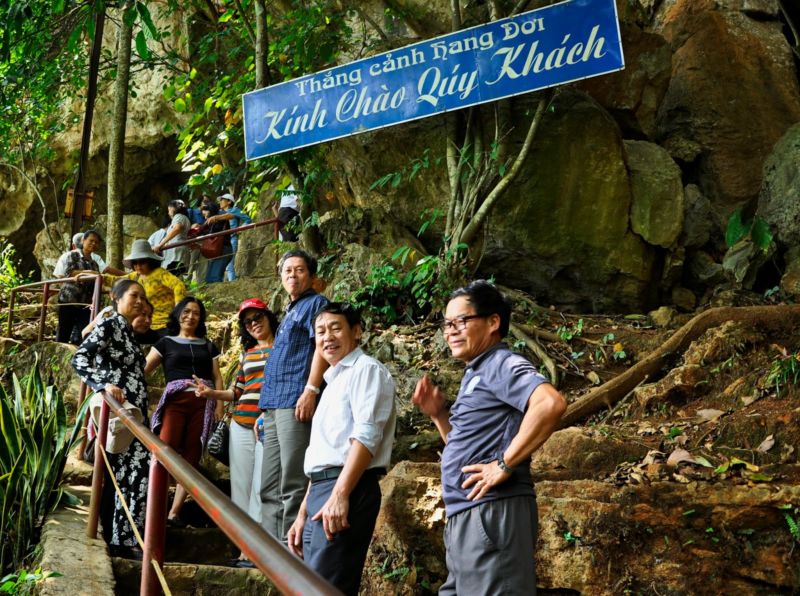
33, 451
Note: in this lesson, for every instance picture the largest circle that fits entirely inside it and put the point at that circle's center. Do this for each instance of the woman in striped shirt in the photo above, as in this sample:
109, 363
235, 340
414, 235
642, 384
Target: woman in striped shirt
257, 326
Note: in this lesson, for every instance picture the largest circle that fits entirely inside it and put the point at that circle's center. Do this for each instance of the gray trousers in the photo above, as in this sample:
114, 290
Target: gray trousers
245, 466
490, 549
283, 483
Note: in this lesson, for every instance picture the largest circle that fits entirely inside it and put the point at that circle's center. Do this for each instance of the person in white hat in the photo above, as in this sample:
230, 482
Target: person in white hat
236, 217
164, 290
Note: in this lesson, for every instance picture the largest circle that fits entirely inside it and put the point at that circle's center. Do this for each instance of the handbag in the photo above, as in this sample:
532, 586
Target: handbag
218, 442
211, 248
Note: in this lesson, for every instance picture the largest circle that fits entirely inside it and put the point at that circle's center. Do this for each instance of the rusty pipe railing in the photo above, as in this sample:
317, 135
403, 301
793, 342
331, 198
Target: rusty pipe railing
288, 572
45, 285
274, 221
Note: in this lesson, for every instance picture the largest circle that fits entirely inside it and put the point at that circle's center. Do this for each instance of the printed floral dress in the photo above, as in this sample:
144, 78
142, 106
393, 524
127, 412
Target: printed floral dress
110, 354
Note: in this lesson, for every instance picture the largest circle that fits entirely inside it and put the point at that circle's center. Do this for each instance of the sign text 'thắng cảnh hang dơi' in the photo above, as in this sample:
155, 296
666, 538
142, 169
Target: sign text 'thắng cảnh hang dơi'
542, 48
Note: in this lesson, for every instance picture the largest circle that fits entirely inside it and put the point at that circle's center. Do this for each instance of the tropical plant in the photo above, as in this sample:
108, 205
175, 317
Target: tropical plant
756, 229
10, 276
34, 448
24, 582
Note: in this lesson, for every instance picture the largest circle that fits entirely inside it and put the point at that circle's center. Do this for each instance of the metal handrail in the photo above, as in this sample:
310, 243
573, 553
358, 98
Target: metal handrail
227, 232
289, 573
45, 285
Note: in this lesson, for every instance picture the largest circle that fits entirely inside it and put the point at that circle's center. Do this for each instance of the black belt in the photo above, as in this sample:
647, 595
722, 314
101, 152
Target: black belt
331, 473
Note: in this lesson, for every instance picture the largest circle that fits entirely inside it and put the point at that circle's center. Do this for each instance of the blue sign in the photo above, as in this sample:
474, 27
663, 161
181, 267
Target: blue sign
542, 48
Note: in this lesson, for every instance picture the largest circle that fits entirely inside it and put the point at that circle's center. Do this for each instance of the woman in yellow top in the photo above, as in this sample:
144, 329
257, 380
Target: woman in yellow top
163, 289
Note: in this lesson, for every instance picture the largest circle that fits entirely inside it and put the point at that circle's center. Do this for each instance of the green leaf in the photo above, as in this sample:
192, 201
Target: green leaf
760, 233
144, 13
141, 47
226, 16
129, 16
180, 105
736, 229
208, 104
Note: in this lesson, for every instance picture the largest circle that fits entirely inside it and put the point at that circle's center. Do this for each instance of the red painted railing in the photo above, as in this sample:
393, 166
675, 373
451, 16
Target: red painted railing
287, 572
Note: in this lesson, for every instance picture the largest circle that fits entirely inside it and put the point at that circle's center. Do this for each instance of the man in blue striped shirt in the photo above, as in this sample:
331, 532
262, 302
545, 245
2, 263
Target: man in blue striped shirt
292, 379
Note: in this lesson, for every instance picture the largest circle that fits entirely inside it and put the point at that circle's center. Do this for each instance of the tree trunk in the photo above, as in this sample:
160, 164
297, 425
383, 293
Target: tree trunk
262, 46
770, 317
116, 150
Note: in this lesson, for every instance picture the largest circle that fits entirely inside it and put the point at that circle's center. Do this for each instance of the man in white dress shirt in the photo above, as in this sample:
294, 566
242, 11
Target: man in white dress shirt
351, 443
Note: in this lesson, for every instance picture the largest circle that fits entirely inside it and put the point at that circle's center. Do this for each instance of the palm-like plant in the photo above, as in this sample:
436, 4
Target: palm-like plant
34, 445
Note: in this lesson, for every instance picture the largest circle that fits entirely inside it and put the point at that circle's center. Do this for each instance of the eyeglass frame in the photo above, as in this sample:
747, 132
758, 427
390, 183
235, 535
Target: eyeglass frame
458, 323
248, 321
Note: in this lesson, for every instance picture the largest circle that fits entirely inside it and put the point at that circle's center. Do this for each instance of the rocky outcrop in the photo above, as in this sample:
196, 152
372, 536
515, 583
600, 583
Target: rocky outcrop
779, 201
633, 95
562, 233
724, 64
598, 538
657, 193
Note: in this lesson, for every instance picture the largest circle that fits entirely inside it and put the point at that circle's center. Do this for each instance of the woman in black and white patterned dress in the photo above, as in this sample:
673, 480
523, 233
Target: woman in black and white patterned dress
110, 360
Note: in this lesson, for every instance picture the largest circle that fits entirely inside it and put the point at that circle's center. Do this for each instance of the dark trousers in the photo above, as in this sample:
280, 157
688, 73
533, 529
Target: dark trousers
71, 321
341, 561
182, 425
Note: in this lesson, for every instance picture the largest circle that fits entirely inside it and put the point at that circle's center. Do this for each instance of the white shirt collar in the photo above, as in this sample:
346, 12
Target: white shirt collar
345, 362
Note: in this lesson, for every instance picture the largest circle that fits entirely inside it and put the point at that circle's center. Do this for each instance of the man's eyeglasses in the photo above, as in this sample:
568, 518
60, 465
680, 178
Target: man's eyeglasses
254, 319
459, 323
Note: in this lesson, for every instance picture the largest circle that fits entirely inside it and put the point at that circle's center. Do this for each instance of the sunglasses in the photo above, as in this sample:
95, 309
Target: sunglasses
255, 318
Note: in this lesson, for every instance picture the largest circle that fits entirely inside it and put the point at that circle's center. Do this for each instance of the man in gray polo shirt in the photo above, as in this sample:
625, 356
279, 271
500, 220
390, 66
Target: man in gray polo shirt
504, 411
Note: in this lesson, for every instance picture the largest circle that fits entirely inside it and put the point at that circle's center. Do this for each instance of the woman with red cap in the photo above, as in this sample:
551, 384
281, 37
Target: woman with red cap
257, 327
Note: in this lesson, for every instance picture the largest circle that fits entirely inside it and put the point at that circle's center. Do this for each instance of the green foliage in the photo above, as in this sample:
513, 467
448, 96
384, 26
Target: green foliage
33, 424
791, 522
10, 277
307, 38
756, 229
415, 293
24, 582
567, 332
784, 370
407, 173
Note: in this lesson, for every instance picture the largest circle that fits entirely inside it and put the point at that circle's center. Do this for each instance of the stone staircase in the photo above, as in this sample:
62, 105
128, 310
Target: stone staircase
196, 557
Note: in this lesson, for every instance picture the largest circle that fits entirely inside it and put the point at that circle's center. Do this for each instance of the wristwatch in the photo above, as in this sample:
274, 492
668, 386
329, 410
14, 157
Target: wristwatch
502, 465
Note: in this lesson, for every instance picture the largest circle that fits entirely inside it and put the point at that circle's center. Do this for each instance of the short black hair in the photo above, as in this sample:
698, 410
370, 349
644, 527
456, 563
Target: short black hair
120, 288
91, 232
487, 300
345, 309
178, 205
248, 341
174, 324
311, 262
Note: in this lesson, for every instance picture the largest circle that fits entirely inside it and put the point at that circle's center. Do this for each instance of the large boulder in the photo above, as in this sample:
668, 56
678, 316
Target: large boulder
598, 538
633, 94
732, 94
779, 201
657, 192
562, 232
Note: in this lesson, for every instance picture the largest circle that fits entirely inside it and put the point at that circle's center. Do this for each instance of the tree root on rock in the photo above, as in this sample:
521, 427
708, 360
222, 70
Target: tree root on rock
778, 317
539, 351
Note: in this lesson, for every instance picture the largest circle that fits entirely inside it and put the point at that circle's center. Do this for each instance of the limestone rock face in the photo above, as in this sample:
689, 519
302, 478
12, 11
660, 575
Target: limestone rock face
16, 197
657, 192
562, 232
573, 453
618, 536
779, 201
408, 533
633, 95
732, 94
790, 282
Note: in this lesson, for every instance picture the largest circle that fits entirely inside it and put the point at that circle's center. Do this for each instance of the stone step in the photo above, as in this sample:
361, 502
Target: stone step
195, 580
209, 546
